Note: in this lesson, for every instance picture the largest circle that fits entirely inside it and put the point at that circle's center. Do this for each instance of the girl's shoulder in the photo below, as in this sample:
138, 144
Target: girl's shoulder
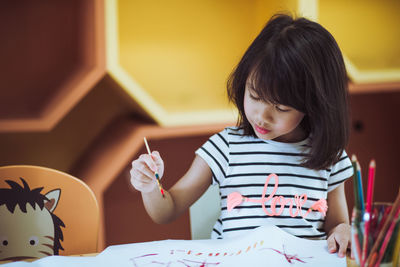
233, 136
234, 133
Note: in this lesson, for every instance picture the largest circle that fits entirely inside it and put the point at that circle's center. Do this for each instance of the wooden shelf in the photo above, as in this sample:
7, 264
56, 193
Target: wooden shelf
53, 54
382, 87
62, 146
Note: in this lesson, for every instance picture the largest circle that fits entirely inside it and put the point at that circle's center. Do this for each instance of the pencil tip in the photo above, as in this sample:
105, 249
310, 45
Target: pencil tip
372, 163
358, 166
157, 176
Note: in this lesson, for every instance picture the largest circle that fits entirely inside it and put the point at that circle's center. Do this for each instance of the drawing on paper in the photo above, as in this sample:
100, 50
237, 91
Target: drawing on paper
146, 260
288, 257
183, 260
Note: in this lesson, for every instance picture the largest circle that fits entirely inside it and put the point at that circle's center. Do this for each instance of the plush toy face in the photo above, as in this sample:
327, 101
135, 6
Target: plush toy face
28, 227
29, 233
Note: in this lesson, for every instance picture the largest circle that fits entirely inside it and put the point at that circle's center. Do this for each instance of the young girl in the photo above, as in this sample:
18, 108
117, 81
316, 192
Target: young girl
285, 162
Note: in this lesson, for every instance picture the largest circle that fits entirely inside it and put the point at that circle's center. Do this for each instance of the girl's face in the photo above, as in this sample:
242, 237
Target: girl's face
272, 121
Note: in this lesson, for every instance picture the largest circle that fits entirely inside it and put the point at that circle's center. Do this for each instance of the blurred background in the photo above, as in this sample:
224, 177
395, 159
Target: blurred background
83, 81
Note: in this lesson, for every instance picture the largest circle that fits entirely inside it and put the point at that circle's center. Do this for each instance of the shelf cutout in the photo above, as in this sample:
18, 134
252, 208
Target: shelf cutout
53, 55
174, 57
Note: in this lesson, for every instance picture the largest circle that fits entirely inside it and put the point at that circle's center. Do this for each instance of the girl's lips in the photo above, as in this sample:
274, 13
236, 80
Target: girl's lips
261, 130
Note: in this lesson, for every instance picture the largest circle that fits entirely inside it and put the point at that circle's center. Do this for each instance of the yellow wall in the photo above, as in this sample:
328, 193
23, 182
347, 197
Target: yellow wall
367, 31
181, 52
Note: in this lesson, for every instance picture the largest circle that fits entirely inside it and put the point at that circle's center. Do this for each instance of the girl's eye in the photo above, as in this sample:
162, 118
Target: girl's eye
256, 98
281, 109
33, 240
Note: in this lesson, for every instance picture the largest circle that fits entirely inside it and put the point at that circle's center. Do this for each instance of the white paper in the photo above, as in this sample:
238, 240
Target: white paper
267, 245
264, 246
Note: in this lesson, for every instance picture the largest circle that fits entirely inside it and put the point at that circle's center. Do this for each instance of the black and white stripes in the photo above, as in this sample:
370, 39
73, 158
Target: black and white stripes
242, 164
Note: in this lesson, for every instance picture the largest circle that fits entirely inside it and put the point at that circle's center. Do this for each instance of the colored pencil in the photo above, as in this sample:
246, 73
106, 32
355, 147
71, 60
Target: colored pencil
386, 225
360, 188
370, 191
357, 187
355, 183
396, 255
382, 221
373, 259
371, 181
357, 244
155, 173
387, 237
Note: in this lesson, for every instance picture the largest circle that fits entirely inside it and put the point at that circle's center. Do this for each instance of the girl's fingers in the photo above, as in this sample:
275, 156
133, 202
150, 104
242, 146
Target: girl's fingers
332, 244
148, 160
338, 243
342, 248
143, 171
140, 177
146, 165
140, 181
155, 155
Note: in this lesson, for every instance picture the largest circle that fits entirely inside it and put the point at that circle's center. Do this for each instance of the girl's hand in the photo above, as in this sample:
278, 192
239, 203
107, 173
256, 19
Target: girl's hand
340, 239
143, 171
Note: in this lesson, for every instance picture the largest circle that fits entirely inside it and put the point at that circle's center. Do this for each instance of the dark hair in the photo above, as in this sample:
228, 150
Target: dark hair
296, 62
21, 196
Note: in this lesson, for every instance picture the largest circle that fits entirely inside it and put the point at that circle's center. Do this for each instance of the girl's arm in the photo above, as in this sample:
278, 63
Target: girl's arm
337, 222
181, 196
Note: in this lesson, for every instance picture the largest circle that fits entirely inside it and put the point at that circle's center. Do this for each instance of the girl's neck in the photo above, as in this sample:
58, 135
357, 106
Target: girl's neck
297, 135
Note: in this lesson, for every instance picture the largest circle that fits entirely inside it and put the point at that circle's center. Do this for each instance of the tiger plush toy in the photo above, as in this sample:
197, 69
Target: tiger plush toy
28, 227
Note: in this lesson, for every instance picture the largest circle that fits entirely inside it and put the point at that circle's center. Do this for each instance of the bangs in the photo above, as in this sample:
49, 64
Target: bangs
280, 78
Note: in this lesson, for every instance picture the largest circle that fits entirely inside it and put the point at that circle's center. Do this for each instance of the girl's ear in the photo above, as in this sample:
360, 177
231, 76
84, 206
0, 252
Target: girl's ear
54, 197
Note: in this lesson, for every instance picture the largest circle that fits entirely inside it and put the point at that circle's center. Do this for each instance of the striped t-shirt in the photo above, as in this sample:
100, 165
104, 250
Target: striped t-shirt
242, 164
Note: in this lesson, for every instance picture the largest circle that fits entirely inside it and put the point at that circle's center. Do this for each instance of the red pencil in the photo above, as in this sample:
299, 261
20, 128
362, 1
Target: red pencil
371, 179
370, 192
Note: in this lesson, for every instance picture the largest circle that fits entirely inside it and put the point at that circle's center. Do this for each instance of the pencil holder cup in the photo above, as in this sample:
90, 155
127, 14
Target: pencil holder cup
375, 236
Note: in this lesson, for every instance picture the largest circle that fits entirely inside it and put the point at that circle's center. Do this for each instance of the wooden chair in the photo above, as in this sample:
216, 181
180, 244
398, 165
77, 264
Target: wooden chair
45, 212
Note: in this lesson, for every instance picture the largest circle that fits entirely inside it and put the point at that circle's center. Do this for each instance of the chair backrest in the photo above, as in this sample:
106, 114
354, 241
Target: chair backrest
45, 212
204, 213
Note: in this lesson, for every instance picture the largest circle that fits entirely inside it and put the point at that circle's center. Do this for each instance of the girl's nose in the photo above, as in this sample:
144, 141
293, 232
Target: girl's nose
267, 113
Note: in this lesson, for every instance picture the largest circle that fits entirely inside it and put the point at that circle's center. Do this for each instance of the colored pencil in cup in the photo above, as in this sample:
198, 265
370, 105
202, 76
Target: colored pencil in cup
385, 227
155, 173
368, 208
357, 244
355, 182
360, 188
396, 255
387, 237
371, 180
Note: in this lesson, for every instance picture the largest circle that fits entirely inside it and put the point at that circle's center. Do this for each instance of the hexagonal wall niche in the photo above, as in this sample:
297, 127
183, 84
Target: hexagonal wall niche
52, 54
369, 36
174, 57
